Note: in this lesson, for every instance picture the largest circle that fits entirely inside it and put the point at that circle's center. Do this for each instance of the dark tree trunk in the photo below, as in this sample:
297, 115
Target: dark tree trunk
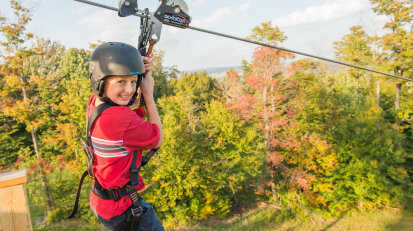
49, 197
398, 90
378, 95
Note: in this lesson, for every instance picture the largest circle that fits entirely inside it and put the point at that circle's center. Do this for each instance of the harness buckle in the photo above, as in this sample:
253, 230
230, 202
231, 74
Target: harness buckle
114, 194
137, 211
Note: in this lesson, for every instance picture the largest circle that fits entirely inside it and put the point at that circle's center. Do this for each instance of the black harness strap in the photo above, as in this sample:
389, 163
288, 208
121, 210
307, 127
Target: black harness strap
148, 156
95, 114
89, 122
134, 171
112, 194
79, 188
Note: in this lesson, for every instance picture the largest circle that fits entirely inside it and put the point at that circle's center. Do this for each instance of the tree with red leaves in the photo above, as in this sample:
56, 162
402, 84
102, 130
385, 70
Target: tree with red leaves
269, 96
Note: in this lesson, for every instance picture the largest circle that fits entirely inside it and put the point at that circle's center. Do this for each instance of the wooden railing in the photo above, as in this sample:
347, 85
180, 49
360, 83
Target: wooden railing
14, 208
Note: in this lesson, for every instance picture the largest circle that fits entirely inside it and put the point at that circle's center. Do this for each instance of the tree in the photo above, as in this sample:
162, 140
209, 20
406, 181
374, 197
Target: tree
355, 48
197, 172
397, 57
366, 171
396, 45
347, 154
14, 142
74, 87
269, 97
162, 76
17, 86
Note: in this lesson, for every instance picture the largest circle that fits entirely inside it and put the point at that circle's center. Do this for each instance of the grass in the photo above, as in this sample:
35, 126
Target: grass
72, 225
269, 219
39, 222
266, 218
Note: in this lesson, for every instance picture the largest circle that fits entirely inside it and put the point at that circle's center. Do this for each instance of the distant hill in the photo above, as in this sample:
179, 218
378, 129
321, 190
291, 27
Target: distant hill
216, 72
219, 72
333, 67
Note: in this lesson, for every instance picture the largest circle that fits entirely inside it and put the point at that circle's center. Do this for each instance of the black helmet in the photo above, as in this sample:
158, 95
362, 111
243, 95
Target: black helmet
114, 58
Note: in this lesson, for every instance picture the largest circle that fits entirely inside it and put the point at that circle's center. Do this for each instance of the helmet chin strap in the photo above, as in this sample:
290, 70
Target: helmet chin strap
108, 101
133, 99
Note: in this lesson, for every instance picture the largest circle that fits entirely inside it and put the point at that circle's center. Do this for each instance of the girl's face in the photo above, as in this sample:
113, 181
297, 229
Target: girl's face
120, 89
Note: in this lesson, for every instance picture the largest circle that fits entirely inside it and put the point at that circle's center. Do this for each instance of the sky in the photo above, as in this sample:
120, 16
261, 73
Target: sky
311, 26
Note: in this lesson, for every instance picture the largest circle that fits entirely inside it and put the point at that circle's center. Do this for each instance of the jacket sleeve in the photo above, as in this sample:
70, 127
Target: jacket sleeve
140, 134
140, 111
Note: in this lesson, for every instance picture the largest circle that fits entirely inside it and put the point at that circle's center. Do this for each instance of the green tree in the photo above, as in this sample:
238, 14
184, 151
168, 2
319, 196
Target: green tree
197, 173
397, 56
18, 85
199, 87
162, 76
396, 44
14, 142
350, 155
74, 92
355, 48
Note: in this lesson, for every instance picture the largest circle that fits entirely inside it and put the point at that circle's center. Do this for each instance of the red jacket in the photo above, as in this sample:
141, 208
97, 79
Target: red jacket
116, 134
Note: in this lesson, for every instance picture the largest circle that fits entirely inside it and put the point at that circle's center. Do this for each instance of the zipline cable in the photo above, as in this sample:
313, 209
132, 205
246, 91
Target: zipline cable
258, 43
298, 52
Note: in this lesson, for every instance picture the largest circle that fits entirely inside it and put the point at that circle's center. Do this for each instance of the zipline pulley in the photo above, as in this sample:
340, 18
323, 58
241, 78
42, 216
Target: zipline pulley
127, 7
173, 13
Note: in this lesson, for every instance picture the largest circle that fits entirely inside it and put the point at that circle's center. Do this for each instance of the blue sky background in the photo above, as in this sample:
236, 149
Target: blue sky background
310, 25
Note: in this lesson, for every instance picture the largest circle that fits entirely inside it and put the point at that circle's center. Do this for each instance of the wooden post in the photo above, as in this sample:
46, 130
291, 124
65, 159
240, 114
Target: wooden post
14, 208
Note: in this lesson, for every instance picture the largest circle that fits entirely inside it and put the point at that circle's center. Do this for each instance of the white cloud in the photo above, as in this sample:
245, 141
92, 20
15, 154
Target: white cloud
39, 2
198, 3
378, 22
80, 10
107, 26
244, 7
382, 19
214, 19
332, 9
220, 15
173, 30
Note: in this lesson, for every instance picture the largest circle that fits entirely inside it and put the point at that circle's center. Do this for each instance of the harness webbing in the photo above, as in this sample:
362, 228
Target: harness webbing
79, 188
89, 122
106, 194
111, 194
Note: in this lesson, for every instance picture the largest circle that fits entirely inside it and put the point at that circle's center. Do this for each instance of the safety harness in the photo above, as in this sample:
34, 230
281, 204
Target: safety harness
112, 194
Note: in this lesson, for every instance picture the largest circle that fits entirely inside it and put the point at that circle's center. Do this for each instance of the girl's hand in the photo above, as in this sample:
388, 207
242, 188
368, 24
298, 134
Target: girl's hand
147, 83
148, 62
